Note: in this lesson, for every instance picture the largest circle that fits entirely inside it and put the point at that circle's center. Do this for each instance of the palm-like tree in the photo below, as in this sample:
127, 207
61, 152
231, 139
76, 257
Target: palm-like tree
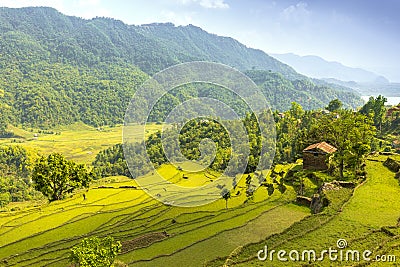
226, 195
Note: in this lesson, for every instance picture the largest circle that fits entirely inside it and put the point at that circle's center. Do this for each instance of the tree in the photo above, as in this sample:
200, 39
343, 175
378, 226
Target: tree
95, 251
270, 188
375, 107
5, 198
348, 132
226, 195
3, 115
334, 105
55, 176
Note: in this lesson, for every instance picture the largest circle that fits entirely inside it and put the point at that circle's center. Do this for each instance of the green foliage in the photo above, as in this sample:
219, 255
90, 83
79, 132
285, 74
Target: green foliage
94, 251
334, 105
151, 47
16, 189
375, 107
16, 161
292, 130
351, 133
281, 92
5, 198
51, 94
3, 115
193, 91
15, 170
111, 161
55, 176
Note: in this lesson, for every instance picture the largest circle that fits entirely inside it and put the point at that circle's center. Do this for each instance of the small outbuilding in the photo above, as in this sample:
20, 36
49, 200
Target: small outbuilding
317, 156
392, 110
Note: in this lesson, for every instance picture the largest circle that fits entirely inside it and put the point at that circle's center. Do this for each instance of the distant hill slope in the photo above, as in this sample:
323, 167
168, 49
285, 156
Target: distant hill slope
317, 67
310, 93
368, 89
151, 47
57, 69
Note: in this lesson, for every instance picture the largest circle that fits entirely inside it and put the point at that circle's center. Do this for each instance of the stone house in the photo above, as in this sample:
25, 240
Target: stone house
317, 156
392, 110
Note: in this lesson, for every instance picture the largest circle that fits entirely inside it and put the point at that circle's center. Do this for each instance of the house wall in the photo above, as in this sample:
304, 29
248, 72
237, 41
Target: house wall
315, 162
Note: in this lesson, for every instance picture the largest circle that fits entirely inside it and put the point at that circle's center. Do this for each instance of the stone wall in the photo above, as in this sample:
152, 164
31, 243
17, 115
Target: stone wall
392, 164
315, 161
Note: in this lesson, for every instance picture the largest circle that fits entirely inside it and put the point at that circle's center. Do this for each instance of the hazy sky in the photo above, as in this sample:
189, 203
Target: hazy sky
357, 33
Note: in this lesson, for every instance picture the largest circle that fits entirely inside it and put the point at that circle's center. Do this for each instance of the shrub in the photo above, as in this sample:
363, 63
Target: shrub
95, 251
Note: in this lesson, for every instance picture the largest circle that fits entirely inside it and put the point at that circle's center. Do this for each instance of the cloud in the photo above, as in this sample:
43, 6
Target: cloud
215, 4
296, 13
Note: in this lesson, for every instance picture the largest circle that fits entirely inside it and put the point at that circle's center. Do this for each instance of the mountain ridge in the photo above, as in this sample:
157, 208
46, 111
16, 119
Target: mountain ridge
317, 67
59, 69
119, 41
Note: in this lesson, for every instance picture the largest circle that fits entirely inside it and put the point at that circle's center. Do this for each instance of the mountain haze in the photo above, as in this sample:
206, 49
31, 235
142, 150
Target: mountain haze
317, 67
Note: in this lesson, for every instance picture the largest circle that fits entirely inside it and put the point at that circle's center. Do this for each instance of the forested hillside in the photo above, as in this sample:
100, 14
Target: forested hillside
47, 34
58, 69
281, 92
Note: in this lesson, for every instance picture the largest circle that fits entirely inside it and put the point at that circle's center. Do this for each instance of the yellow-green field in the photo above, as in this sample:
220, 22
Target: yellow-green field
78, 142
43, 235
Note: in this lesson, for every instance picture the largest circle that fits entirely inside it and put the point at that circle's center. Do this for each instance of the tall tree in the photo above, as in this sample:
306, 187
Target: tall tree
226, 195
349, 132
55, 176
375, 107
3, 115
334, 105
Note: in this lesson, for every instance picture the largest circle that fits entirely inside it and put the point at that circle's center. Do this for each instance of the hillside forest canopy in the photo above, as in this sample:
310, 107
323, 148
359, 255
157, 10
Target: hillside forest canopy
59, 69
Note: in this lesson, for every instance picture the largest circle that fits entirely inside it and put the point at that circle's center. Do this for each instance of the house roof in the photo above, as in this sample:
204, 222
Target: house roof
325, 147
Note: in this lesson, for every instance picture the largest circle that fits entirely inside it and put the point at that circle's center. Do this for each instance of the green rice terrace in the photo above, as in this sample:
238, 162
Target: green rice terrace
223, 233
147, 228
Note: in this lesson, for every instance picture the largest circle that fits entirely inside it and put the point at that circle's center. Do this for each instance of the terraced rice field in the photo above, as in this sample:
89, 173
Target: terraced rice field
78, 142
151, 232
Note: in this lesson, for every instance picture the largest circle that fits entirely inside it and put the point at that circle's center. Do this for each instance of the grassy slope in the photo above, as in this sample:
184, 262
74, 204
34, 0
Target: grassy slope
373, 206
44, 234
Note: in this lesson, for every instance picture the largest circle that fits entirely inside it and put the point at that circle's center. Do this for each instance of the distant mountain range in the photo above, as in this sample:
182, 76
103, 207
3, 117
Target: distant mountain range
369, 89
320, 68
